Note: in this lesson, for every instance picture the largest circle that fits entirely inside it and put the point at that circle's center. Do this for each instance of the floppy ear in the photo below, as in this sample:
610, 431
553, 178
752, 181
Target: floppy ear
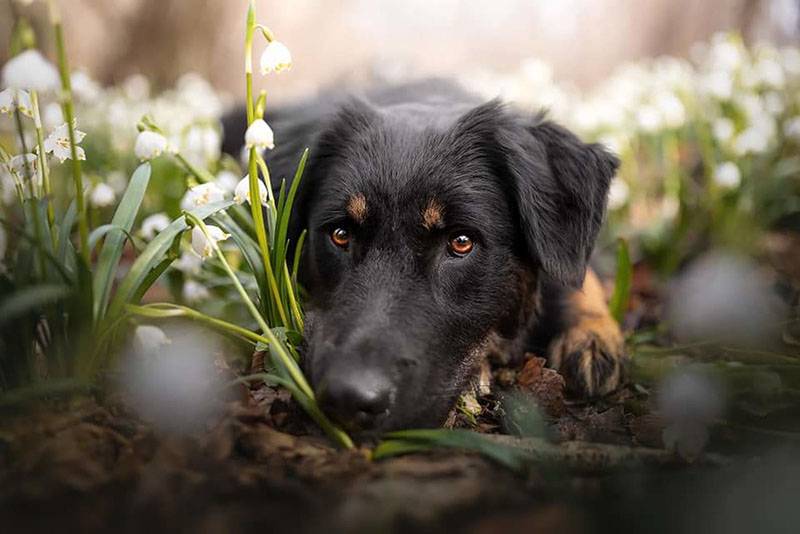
558, 183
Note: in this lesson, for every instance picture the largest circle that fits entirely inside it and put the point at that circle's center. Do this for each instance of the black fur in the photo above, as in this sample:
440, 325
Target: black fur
395, 322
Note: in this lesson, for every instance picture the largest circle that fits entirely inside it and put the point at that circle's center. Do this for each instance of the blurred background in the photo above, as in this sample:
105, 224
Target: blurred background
334, 40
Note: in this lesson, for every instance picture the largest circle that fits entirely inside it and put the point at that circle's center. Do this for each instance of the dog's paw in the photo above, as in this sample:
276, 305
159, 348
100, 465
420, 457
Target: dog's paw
591, 357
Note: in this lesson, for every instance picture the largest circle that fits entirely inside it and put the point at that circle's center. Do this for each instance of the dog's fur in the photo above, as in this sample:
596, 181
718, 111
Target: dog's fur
397, 324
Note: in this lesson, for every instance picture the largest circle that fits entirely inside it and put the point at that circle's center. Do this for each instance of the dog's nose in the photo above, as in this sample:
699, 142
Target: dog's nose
357, 399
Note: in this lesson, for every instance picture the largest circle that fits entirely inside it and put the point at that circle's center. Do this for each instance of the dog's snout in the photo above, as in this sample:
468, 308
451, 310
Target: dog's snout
356, 399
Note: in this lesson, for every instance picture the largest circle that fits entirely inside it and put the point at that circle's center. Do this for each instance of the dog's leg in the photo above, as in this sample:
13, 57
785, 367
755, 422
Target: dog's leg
589, 352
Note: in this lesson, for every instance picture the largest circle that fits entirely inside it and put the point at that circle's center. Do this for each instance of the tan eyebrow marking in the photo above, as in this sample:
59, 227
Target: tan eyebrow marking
432, 214
357, 207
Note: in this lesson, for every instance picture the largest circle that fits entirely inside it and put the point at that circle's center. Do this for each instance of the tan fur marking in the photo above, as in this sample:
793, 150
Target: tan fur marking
432, 214
357, 208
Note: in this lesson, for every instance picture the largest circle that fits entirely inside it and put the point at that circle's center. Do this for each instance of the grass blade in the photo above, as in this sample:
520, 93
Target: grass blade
112, 248
622, 282
31, 298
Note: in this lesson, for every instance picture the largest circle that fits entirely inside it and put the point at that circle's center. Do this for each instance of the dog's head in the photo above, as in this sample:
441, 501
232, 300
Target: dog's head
422, 231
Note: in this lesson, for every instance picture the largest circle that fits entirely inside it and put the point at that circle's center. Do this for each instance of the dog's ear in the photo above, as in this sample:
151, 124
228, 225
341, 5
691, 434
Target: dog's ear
558, 184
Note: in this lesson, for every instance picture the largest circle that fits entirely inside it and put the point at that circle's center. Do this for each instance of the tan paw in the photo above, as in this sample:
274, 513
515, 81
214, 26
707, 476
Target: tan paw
590, 356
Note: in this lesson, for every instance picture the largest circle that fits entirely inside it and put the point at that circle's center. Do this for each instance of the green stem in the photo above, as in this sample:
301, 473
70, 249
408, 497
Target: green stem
166, 309
24, 146
69, 117
279, 350
43, 167
202, 175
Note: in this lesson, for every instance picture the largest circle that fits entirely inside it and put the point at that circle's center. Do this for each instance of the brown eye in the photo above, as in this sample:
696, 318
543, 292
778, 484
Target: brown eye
340, 237
461, 245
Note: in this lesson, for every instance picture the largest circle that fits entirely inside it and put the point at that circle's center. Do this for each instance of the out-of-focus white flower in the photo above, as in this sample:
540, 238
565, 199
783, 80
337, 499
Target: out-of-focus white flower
770, 73
203, 143
117, 181
29, 70
227, 181
688, 401
150, 145
275, 58
773, 103
52, 116
150, 339
259, 135
618, 193
19, 164
727, 175
11, 99
718, 84
790, 59
753, 140
202, 194
194, 292
725, 54
153, 225
791, 128
671, 108
242, 193
136, 87
648, 118
188, 263
204, 246
102, 195
83, 86
8, 186
723, 129
58, 143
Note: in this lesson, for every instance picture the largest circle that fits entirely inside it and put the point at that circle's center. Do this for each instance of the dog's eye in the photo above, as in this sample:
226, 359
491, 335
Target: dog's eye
461, 245
340, 237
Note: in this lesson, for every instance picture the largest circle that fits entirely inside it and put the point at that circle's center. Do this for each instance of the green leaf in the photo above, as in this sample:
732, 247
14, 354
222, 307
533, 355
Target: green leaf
100, 232
622, 282
133, 283
64, 232
249, 249
112, 248
31, 298
406, 441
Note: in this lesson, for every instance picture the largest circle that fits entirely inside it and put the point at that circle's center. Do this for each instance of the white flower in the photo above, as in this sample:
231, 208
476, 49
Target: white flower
723, 129
102, 195
202, 194
58, 143
618, 193
153, 225
227, 181
259, 135
649, 119
30, 71
727, 175
19, 164
149, 145
188, 263
83, 86
118, 181
792, 128
11, 99
52, 116
242, 193
204, 247
194, 291
718, 83
770, 73
276, 58
150, 339
203, 143
672, 110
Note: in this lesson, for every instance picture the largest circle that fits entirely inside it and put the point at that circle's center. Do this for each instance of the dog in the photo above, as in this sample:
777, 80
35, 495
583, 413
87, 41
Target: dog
440, 227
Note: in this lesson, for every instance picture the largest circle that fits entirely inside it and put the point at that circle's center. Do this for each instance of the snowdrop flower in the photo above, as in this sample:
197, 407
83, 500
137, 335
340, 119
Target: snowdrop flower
102, 196
618, 193
11, 99
149, 145
84, 87
242, 193
58, 143
259, 135
203, 143
52, 116
153, 225
723, 129
204, 246
649, 119
29, 70
770, 73
672, 109
118, 181
136, 87
276, 58
727, 175
188, 263
718, 84
150, 339
227, 181
792, 128
202, 194
194, 291
18, 164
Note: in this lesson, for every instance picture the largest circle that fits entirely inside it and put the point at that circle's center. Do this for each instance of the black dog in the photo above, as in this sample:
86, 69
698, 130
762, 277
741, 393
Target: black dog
440, 228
